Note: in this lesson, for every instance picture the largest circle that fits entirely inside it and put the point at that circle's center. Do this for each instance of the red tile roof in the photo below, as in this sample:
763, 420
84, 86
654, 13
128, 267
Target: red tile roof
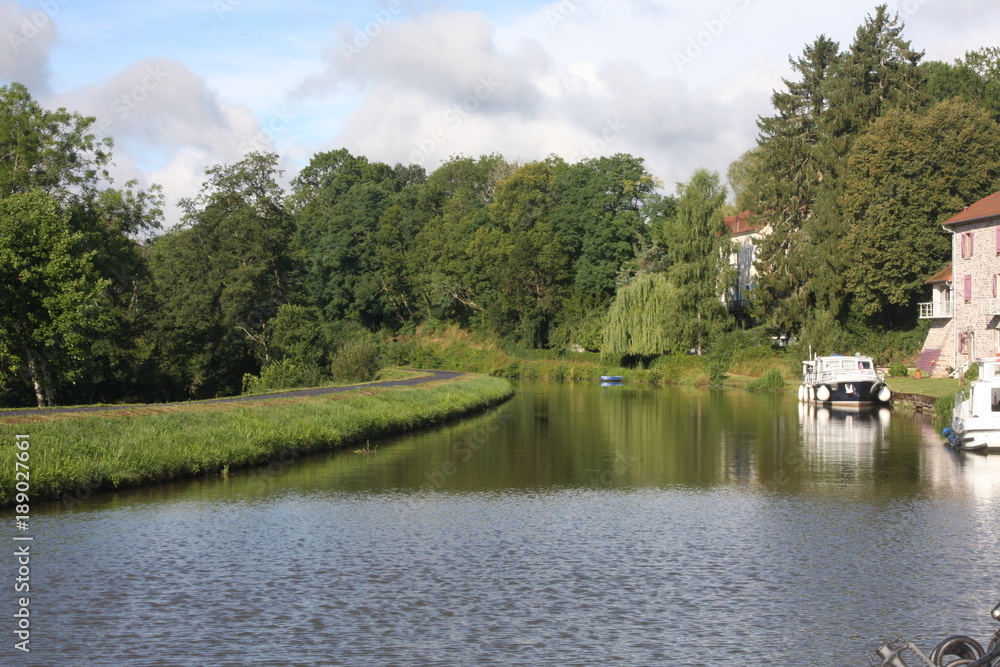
984, 208
740, 224
942, 276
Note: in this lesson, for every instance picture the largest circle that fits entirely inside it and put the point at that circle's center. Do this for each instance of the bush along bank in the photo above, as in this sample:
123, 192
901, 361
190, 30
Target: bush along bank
453, 348
77, 455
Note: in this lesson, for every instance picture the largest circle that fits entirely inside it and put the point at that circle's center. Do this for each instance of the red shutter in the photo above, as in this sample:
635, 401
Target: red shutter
998, 240
967, 288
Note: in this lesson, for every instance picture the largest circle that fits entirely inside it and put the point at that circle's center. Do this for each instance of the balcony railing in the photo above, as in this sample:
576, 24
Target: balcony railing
990, 307
939, 309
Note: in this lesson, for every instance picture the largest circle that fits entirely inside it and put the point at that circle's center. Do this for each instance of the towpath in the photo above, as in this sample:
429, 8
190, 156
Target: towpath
292, 393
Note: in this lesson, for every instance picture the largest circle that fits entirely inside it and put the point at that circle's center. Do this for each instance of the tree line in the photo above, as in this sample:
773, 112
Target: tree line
869, 149
865, 153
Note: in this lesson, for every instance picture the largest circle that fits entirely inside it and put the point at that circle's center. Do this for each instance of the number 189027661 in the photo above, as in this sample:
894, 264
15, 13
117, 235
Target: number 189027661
22, 477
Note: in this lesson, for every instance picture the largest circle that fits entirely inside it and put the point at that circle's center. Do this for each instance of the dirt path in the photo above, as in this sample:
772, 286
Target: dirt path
293, 393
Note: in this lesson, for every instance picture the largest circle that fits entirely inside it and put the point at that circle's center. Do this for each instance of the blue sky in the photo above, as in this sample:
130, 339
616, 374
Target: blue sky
184, 84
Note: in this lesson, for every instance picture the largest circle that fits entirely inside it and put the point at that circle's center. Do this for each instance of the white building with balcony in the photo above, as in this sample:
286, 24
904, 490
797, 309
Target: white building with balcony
965, 304
744, 233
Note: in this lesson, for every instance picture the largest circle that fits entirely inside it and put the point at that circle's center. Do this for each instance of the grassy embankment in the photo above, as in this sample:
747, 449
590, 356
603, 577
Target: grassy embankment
453, 348
74, 454
457, 349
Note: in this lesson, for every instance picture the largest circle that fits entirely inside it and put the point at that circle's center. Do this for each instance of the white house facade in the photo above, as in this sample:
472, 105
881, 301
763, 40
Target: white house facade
744, 235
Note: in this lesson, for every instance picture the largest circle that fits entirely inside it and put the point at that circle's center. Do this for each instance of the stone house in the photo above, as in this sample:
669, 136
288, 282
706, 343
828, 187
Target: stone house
965, 301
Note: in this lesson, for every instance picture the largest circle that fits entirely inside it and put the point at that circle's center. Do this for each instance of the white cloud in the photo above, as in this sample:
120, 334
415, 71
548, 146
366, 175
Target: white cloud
444, 84
168, 124
399, 82
27, 39
447, 56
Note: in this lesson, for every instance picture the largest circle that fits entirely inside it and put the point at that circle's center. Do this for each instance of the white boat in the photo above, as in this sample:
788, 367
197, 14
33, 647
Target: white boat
975, 419
840, 380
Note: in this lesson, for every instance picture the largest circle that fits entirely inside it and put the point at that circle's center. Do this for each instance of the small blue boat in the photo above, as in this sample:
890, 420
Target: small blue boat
611, 378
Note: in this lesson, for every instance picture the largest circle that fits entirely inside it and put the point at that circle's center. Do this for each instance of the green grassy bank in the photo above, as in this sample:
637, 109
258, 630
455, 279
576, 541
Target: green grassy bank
453, 348
74, 455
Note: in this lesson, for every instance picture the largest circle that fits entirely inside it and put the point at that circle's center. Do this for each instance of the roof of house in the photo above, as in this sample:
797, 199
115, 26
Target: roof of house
943, 276
984, 208
740, 224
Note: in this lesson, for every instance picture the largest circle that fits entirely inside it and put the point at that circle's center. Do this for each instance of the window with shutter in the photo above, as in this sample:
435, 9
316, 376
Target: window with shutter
968, 244
967, 288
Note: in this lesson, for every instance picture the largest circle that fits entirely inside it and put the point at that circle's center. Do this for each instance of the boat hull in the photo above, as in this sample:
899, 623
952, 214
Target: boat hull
846, 393
986, 441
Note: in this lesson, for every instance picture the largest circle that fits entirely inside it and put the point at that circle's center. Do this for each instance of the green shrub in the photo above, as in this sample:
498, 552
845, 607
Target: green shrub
359, 361
772, 381
898, 370
943, 408
284, 374
717, 367
400, 353
754, 353
973, 372
560, 372
824, 334
426, 357
681, 368
513, 370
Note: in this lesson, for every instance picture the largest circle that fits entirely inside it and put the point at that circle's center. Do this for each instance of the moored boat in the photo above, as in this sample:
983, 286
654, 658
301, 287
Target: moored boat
975, 419
841, 380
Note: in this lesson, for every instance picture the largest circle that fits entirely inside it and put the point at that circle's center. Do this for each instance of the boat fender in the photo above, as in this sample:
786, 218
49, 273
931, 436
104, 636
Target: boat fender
810, 393
823, 393
802, 393
884, 394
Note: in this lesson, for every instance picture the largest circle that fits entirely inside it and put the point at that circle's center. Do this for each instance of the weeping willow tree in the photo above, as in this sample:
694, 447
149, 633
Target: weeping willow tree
700, 247
644, 320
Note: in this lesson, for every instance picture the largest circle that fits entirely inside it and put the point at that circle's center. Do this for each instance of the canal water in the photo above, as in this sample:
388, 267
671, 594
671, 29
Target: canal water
574, 525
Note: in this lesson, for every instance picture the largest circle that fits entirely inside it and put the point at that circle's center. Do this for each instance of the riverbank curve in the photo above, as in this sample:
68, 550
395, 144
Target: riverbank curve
291, 393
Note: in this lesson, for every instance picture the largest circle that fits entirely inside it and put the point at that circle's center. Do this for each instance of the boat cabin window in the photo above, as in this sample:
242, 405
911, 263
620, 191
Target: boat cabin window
996, 399
864, 365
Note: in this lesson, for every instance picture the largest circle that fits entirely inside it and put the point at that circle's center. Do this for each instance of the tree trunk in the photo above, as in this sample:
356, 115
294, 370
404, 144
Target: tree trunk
35, 379
50, 394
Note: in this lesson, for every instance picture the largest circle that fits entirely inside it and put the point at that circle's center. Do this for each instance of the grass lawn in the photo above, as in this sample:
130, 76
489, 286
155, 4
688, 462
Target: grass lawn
936, 387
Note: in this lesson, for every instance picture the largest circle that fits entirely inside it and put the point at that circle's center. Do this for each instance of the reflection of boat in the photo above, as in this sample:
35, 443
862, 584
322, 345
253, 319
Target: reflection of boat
843, 434
975, 419
840, 380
